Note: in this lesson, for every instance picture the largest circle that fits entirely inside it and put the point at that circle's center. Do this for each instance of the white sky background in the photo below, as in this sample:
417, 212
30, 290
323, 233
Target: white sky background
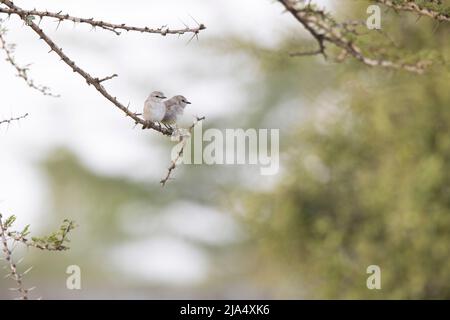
85, 122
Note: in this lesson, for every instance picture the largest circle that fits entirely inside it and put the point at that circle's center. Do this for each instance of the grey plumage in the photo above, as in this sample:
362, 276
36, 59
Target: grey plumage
174, 109
154, 107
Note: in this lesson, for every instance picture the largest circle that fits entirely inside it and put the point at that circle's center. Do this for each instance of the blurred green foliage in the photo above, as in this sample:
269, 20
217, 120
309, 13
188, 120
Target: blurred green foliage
367, 175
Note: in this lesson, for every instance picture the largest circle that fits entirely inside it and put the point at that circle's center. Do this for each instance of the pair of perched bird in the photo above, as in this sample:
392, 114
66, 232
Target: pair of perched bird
165, 112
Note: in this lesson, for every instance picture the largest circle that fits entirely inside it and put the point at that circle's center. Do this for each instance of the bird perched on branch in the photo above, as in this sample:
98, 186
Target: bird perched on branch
154, 108
174, 109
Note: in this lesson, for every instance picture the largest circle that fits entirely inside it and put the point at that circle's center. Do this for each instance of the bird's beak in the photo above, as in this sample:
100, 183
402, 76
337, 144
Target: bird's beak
163, 97
187, 102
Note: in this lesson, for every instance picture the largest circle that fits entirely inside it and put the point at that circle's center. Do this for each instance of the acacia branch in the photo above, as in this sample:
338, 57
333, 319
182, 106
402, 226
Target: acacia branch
179, 155
308, 53
164, 30
8, 121
22, 72
56, 241
7, 252
95, 82
326, 30
108, 78
420, 8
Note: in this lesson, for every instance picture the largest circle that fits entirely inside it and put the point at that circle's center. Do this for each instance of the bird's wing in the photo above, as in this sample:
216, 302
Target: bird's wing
169, 103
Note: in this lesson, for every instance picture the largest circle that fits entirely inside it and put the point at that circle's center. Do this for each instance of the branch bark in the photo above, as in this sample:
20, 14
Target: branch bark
22, 72
101, 24
95, 82
411, 6
179, 154
325, 30
12, 119
13, 273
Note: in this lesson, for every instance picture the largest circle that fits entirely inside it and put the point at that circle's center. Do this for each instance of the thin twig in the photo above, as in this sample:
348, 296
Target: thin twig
411, 6
173, 163
59, 246
325, 30
306, 53
107, 78
9, 259
56, 241
102, 24
8, 121
22, 72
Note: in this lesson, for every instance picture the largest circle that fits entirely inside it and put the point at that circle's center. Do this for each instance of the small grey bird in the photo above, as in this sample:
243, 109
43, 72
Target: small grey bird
154, 107
174, 109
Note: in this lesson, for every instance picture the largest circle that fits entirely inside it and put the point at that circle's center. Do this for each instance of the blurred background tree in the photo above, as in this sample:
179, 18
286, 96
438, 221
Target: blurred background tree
367, 173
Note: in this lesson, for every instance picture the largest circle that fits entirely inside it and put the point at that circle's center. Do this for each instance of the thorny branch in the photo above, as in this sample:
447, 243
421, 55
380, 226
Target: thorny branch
108, 78
164, 30
183, 140
8, 121
94, 81
22, 72
423, 9
54, 242
7, 252
326, 30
